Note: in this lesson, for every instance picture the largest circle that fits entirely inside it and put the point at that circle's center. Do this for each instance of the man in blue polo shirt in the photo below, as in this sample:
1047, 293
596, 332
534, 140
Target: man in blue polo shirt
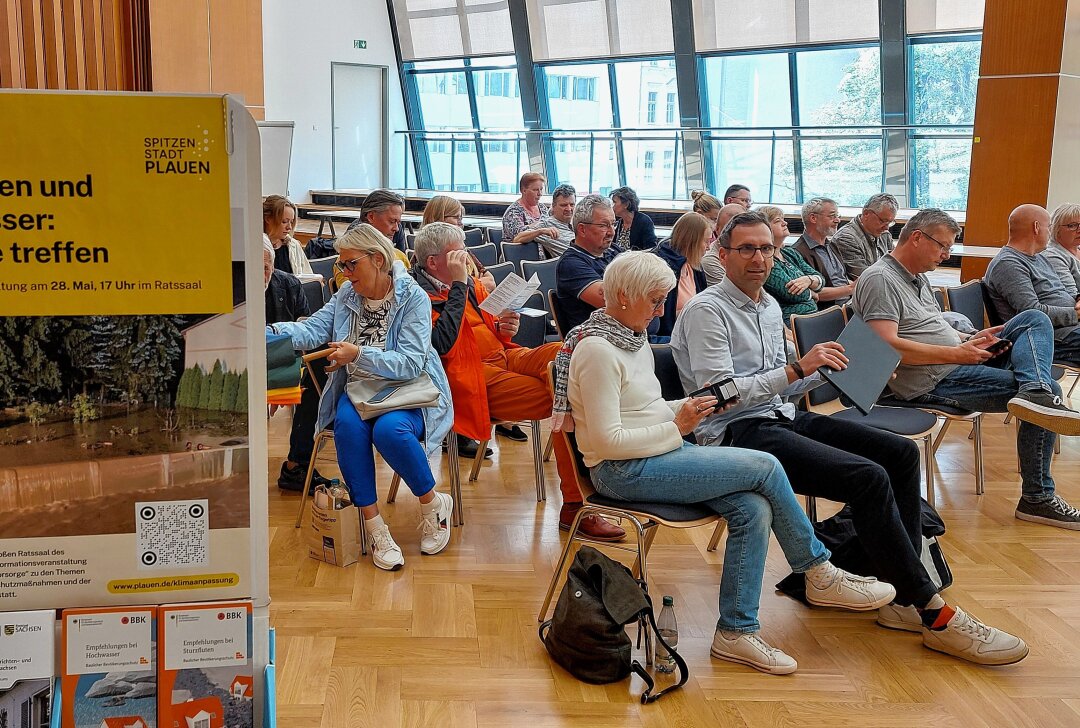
580, 273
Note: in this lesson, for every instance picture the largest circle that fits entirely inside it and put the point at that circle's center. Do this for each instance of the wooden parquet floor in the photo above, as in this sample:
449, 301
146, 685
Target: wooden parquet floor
451, 639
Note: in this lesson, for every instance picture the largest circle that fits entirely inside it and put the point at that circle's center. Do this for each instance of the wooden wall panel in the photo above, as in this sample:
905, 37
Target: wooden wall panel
1025, 39
236, 49
11, 67
180, 43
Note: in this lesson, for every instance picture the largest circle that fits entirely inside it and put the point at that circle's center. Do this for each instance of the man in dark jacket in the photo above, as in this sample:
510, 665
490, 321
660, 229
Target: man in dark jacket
285, 301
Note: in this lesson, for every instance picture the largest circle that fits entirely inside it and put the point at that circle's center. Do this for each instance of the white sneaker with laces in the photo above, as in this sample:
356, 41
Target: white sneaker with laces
895, 616
384, 551
834, 587
749, 649
969, 639
435, 526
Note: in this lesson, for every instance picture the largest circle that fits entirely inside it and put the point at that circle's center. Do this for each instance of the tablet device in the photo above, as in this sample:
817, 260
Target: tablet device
871, 362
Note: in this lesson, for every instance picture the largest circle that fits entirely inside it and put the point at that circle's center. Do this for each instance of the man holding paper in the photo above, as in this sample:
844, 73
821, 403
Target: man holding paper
735, 329
490, 376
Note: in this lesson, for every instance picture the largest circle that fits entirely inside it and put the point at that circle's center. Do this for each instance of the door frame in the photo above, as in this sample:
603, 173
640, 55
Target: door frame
384, 168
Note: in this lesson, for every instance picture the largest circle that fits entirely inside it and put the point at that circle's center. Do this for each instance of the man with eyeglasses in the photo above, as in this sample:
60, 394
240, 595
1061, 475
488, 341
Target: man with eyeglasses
820, 217
580, 273
739, 195
994, 370
735, 329
862, 241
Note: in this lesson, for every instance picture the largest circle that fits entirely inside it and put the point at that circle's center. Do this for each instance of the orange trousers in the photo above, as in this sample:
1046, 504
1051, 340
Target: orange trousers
517, 389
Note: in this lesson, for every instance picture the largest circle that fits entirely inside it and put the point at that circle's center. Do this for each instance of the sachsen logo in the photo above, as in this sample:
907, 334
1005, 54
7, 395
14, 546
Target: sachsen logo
14, 629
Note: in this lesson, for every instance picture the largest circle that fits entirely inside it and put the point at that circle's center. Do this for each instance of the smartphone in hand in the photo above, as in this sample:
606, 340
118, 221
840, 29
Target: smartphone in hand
725, 392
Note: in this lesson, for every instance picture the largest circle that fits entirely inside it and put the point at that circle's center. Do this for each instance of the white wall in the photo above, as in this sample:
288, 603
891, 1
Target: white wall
300, 41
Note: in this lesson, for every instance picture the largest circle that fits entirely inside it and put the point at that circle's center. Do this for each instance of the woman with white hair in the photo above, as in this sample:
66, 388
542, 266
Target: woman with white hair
1061, 252
632, 442
378, 326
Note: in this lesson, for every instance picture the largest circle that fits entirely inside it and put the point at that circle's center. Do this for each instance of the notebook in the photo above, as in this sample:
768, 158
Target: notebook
870, 364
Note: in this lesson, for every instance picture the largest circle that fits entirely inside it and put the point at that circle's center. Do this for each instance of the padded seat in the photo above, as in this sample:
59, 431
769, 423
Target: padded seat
663, 511
942, 408
904, 421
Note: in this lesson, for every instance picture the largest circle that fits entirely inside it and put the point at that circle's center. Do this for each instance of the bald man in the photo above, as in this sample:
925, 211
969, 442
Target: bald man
1019, 279
940, 366
710, 262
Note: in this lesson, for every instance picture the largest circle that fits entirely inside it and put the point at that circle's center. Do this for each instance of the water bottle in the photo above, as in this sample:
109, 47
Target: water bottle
669, 630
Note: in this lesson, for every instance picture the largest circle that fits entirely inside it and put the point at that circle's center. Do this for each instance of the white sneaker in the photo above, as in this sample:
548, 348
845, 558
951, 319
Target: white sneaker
969, 639
435, 526
749, 649
384, 552
840, 589
895, 616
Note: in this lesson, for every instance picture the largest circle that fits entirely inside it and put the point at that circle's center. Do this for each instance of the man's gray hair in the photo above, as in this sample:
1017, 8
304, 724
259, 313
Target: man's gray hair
433, 239
586, 206
931, 217
814, 206
563, 191
880, 201
379, 200
636, 274
1070, 211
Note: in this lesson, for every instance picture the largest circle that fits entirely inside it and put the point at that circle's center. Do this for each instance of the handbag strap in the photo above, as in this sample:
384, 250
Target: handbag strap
684, 672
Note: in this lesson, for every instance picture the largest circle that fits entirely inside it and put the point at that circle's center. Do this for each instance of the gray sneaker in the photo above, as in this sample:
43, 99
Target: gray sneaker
1045, 409
1054, 512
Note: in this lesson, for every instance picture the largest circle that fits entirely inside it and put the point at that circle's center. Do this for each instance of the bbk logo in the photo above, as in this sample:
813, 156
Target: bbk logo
234, 614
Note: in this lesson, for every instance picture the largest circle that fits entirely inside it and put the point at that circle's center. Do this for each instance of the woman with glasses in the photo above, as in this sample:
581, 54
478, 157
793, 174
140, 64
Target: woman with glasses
683, 252
631, 439
792, 282
634, 229
378, 326
444, 208
1061, 252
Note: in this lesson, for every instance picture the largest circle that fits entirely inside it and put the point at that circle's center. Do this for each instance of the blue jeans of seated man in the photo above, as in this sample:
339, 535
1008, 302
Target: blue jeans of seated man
989, 389
749, 489
398, 436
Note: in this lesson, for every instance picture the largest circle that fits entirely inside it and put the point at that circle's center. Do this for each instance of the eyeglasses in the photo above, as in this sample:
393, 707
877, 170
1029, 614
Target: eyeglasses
605, 225
1073, 226
748, 251
348, 266
658, 303
943, 246
452, 217
831, 215
881, 219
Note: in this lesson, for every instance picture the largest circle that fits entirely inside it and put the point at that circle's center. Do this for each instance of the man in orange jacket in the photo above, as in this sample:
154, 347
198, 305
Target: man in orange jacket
490, 376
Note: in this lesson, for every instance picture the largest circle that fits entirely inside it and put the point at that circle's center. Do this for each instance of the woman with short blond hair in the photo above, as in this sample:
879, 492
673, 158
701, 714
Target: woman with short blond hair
1061, 252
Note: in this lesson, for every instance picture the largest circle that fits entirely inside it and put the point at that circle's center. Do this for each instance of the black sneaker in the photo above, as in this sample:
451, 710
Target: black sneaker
293, 478
1054, 512
467, 448
1045, 409
513, 432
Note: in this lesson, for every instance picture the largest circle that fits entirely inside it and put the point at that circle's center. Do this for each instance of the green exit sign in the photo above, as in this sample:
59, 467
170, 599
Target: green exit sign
359, 44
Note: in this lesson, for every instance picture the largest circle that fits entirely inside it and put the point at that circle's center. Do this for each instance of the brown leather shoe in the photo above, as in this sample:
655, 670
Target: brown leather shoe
592, 527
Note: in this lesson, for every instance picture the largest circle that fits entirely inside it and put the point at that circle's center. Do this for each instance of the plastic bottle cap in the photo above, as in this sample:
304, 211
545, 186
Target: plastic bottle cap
335, 481
669, 601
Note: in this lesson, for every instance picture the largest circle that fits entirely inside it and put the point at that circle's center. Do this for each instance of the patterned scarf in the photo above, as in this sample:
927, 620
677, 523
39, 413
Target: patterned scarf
598, 324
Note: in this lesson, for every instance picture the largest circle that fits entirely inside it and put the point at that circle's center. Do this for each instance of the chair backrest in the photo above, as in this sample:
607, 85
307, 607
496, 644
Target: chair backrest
486, 254
494, 234
512, 253
314, 362
410, 241
323, 266
315, 292
667, 372
532, 330
993, 318
939, 296
557, 313
968, 300
332, 285
816, 328
474, 238
581, 473
544, 270
500, 270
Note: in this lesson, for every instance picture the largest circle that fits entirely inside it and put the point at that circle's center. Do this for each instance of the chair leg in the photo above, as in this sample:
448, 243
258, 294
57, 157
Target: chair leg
941, 434
976, 428
455, 479
928, 456
319, 438
1057, 444
1008, 419
811, 508
363, 533
538, 462
478, 461
650, 535
549, 447
717, 534
585, 509
1076, 380
395, 483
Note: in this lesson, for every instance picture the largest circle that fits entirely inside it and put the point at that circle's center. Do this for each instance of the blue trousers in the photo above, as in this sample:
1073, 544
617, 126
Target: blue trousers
398, 436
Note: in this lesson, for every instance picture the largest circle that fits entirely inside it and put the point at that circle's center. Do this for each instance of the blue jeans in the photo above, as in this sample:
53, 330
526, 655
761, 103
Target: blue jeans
396, 435
749, 489
989, 389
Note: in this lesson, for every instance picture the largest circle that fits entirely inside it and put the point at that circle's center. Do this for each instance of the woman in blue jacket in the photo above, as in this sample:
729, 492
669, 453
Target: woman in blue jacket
378, 325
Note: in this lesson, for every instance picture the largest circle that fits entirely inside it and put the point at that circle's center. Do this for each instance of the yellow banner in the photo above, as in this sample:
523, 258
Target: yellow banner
113, 204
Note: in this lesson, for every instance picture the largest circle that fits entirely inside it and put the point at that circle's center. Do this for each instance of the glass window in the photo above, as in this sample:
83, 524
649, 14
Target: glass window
747, 90
505, 160
640, 84
500, 107
444, 100
840, 87
940, 173
650, 115
568, 112
848, 171
929, 16
766, 166
454, 165
571, 29
944, 78
588, 165
670, 115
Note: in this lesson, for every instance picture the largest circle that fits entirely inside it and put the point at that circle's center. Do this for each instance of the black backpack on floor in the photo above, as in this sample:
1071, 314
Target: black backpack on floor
586, 634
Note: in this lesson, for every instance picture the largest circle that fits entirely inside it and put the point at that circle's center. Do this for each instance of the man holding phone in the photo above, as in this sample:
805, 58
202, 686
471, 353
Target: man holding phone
939, 366
735, 329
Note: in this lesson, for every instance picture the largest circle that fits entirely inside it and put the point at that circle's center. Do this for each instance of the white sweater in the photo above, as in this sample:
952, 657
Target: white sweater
619, 412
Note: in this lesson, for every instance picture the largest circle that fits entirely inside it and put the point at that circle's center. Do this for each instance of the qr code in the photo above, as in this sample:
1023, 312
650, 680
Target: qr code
172, 533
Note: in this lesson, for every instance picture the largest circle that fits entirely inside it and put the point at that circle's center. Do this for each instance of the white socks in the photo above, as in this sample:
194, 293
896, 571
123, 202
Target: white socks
822, 575
431, 505
375, 523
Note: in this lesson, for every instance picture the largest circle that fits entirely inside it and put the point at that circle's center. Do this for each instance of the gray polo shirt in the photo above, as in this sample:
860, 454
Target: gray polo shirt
722, 333
887, 291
